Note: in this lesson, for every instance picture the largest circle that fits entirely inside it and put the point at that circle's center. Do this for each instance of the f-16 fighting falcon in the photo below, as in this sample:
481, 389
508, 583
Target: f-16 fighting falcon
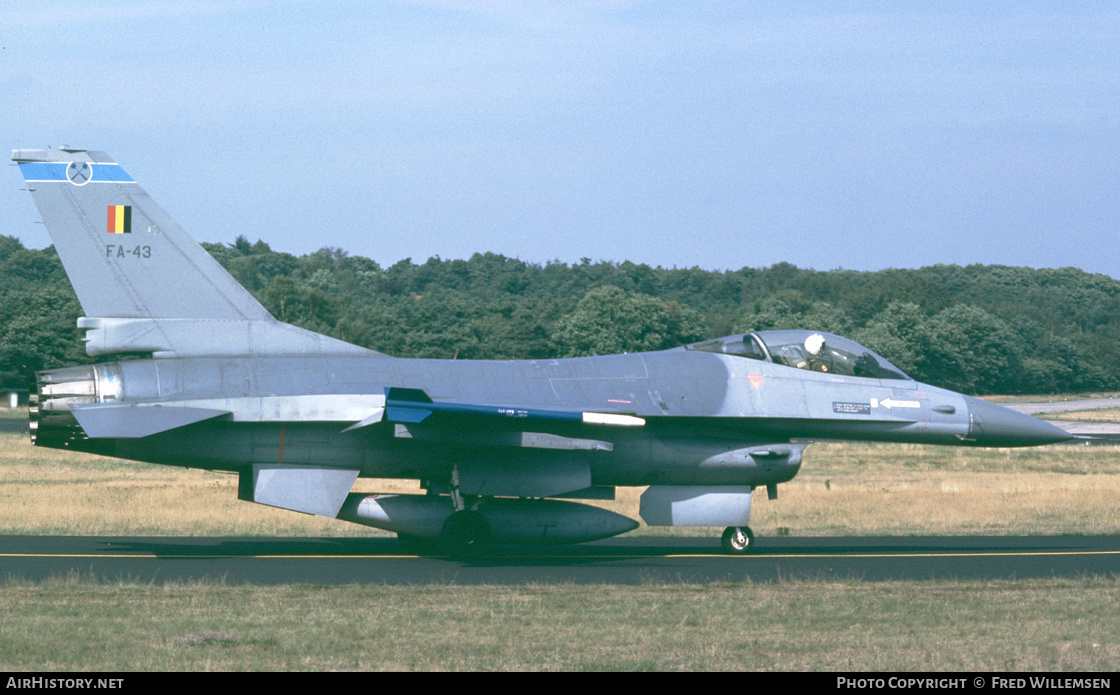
501, 447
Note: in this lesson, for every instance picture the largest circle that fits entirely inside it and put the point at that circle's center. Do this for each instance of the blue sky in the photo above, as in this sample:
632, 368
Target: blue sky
712, 134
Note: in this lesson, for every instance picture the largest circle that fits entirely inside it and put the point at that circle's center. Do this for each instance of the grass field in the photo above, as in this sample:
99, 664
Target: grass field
842, 489
796, 624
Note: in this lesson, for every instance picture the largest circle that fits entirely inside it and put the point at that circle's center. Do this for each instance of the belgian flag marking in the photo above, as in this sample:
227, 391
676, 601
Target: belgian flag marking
119, 219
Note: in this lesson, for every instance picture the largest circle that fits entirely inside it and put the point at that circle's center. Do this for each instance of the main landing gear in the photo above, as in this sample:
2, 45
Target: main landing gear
738, 540
465, 534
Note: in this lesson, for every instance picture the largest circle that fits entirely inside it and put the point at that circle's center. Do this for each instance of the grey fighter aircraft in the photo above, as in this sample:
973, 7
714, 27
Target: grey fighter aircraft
501, 447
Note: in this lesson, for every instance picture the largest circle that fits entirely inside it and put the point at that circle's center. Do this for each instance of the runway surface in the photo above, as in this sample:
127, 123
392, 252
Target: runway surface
1065, 406
18, 425
617, 561
1107, 433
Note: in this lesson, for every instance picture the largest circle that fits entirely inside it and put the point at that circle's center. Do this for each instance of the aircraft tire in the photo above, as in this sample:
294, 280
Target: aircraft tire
465, 535
738, 540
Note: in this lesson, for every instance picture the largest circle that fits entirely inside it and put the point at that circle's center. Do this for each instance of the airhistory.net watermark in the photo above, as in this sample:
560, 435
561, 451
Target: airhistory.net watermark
63, 683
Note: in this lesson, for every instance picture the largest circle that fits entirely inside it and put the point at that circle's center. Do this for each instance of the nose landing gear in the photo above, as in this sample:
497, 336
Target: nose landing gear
738, 540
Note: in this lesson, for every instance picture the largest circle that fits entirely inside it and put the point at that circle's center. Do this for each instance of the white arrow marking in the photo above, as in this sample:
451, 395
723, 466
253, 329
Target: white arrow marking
889, 403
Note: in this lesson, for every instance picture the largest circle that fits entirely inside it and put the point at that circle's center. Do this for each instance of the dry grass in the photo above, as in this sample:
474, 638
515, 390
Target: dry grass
1036, 625
910, 489
843, 489
46, 491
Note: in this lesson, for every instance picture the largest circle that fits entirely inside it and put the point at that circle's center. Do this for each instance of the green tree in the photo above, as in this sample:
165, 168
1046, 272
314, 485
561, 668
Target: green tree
973, 352
792, 309
609, 320
38, 330
900, 333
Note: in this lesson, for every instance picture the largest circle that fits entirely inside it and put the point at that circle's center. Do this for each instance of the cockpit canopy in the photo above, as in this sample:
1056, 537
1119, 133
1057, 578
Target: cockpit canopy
810, 350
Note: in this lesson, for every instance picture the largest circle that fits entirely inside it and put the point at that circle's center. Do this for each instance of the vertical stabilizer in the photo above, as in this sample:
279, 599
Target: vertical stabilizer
144, 284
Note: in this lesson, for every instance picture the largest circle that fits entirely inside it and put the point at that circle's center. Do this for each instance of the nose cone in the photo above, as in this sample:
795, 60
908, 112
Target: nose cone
994, 425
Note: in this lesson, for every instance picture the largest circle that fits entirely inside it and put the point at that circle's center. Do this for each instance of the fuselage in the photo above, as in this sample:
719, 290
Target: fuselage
709, 418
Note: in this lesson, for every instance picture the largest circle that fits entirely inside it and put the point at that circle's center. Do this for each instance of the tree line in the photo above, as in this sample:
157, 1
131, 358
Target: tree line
977, 329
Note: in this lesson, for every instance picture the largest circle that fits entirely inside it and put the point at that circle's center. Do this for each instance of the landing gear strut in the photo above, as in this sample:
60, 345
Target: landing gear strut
466, 533
738, 540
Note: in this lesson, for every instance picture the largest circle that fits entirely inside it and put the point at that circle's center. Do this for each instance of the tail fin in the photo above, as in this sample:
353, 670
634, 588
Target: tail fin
144, 284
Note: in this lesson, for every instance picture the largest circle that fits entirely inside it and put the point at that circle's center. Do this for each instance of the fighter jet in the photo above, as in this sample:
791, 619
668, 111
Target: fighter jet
500, 447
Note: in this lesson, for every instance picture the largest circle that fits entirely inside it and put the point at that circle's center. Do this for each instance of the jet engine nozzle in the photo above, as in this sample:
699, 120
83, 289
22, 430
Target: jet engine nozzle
51, 420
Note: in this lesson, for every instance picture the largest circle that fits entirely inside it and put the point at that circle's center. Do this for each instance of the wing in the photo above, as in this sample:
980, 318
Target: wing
502, 450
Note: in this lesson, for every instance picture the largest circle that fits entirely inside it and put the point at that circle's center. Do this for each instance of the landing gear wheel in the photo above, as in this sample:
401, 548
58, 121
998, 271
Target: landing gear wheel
465, 535
738, 540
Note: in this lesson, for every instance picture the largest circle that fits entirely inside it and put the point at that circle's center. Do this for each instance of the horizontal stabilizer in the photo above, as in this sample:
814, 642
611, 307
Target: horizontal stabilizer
134, 421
